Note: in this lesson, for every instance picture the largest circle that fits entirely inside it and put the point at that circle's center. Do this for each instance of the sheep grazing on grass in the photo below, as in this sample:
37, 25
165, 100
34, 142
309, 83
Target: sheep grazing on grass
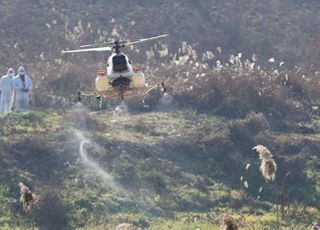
126, 226
27, 198
229, 223
268, 166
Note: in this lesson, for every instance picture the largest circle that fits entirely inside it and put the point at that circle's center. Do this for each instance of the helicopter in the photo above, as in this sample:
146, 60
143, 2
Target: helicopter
119, 78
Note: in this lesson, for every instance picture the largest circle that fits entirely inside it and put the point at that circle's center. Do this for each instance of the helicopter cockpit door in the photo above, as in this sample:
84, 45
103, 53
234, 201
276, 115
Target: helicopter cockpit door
119, 63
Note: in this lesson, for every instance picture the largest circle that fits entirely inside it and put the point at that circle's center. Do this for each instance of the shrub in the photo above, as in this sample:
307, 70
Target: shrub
51, 212
243, 131
124, 170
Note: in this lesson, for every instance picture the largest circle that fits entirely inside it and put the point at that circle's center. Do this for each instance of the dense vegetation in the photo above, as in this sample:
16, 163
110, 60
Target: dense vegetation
172, 166
38, 30
179, 165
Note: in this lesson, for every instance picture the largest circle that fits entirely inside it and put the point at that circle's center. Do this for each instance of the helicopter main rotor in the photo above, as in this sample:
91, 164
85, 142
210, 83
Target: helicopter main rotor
115, 46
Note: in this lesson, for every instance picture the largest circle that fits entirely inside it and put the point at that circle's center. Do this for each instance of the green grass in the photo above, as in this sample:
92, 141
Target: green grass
167, 186
29, 123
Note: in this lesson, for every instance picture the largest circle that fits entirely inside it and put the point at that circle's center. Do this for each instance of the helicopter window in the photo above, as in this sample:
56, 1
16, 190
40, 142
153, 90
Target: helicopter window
119, 63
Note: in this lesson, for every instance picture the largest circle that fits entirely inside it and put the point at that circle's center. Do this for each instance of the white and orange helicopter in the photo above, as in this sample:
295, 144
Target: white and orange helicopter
120, 77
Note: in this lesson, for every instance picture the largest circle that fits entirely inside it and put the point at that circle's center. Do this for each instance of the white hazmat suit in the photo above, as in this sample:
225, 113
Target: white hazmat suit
6, 87
22, 85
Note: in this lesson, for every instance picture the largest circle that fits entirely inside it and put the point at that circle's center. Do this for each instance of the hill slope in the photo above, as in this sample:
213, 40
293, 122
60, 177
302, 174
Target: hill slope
147, 167
178, 166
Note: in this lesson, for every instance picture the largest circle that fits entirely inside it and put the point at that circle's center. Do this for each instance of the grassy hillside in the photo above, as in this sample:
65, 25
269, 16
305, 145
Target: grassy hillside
238, 75
174, 168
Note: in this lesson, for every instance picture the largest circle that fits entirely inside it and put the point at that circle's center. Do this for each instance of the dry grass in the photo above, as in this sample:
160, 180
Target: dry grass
27, 198
229, 223
268, 166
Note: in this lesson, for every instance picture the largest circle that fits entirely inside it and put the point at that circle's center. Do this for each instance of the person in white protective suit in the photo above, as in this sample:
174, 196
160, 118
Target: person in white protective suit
22, 85
6, 89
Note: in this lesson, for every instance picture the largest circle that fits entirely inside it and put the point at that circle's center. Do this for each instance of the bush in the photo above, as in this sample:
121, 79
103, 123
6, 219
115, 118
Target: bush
155, 181
124, 170
51, 212
244, 131
234, 93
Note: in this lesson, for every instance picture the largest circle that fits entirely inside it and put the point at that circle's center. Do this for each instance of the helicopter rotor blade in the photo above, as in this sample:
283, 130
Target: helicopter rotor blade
145, 39
97, 44
98, 49
110, 45
91, 45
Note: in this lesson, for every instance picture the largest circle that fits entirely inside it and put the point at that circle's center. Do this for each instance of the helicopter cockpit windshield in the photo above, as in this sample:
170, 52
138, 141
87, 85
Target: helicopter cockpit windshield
119, 63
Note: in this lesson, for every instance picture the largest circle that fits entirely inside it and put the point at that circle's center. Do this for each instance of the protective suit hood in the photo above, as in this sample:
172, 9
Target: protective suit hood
21, 70
11, 72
